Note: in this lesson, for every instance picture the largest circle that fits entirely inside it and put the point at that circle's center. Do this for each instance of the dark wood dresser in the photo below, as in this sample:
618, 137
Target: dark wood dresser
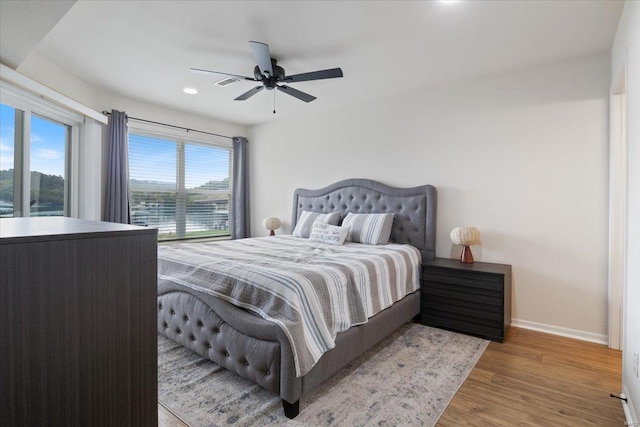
470, 298
78, 315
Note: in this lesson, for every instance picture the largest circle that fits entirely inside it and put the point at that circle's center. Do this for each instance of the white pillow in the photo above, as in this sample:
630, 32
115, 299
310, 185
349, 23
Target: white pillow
373, 229
331, 234
307, 218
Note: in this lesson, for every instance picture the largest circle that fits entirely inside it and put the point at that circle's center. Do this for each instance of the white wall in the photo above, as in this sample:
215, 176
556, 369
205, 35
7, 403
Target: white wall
43, 70
522, 156
626, 53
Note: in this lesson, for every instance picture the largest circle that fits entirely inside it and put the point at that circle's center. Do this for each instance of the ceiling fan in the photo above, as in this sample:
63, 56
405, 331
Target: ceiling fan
272, 75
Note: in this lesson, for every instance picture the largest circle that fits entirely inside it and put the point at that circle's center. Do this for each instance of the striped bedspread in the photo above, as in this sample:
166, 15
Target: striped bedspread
311, 290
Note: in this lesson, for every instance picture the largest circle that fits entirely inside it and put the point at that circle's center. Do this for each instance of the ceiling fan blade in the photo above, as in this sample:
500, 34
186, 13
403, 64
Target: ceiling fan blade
296, 93
200, 71
315, 75
248, 94
261, 52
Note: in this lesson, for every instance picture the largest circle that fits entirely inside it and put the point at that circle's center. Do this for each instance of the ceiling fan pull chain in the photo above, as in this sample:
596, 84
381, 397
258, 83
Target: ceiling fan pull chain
274, 102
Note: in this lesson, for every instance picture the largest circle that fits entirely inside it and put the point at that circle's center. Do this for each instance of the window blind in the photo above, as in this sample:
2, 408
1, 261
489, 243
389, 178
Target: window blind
183, 188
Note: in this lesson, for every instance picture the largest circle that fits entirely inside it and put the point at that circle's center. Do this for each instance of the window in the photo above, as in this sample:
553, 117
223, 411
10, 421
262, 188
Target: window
33, 164
181, 187
48, 142
7, 149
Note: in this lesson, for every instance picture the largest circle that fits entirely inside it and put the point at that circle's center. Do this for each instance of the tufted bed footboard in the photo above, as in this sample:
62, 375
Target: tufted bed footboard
257, 349
188, 321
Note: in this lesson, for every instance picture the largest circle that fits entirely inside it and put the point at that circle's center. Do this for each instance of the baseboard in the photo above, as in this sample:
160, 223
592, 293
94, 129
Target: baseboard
563, 332
630, 413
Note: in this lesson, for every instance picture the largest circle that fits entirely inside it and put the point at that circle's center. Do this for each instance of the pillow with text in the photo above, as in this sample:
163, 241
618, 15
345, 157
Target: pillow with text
326, 233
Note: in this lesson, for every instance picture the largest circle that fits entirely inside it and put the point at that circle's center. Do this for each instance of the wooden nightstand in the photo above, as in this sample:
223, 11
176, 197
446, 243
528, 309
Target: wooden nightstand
470, 298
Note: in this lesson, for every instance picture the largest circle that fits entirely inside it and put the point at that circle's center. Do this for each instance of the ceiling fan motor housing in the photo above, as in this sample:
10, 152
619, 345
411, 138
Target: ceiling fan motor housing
270, 81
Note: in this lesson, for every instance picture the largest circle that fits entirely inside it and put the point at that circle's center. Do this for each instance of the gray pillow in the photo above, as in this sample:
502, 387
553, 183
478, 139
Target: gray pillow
372, 229
307, 218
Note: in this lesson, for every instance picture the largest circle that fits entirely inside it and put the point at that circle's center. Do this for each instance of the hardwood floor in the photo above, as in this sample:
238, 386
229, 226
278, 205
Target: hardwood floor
531, 379
167, 419
538, 379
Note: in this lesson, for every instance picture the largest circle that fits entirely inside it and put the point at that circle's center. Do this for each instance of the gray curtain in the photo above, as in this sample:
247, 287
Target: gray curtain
116, 206
240, 206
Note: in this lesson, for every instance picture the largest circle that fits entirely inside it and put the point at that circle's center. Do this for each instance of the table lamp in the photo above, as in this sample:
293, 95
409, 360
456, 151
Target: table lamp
272, 223
465, 236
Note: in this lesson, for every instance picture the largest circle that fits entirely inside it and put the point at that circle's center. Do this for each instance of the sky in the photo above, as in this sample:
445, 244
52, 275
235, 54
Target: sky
152, 159
155, 159
48, 140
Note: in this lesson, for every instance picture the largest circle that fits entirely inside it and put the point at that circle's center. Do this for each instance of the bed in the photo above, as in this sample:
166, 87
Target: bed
263, 350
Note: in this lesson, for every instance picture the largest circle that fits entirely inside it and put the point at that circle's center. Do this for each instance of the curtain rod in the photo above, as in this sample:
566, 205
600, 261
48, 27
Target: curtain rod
105, 112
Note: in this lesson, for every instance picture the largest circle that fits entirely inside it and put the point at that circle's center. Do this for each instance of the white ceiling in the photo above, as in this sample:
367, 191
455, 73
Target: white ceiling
23, 24
144, 49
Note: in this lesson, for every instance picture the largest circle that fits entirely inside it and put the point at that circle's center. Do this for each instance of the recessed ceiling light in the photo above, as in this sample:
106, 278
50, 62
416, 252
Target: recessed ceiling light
190, 90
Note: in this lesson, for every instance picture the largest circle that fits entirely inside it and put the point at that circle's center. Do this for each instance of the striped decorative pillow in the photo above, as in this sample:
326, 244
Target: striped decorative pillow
307, 218
373, 229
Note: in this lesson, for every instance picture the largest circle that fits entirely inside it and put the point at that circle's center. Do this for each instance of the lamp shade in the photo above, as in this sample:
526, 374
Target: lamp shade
272, 223
465, 236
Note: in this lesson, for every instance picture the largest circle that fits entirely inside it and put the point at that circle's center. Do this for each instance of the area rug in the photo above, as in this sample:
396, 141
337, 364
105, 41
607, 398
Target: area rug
408, 379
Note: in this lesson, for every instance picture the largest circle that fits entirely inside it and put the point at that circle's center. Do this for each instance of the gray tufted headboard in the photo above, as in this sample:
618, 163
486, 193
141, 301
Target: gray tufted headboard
415, 208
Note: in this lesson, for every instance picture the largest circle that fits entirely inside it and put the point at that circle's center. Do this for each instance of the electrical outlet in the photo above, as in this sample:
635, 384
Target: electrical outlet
636, 361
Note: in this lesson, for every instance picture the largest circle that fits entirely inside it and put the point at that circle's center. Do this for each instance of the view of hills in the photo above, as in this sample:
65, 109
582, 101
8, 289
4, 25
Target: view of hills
50, 188
165, 192
222, 185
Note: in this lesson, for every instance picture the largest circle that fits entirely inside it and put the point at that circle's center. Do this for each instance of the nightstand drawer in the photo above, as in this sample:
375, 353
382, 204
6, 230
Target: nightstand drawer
463, 294
455, 277
462, 309
487, 330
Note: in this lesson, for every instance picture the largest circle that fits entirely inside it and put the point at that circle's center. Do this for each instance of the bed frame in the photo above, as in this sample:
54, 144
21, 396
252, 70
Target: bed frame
257, 349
